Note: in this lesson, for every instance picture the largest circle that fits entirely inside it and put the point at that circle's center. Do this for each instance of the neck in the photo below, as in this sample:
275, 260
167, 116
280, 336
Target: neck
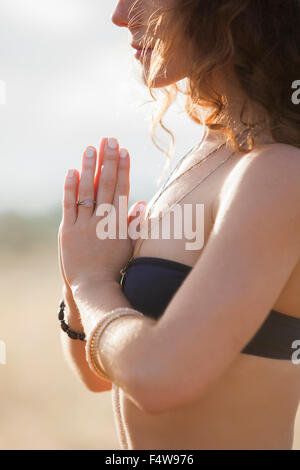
242, 113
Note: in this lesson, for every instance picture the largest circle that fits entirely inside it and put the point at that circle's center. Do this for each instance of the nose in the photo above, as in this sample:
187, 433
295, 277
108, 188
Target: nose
120, 14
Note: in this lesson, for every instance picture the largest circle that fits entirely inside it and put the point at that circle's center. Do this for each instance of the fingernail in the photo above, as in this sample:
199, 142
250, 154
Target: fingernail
70, 173
90, 152
123, 153
112, 143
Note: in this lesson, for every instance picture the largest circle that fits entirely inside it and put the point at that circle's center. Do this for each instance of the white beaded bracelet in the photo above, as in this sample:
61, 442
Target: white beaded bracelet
92, 345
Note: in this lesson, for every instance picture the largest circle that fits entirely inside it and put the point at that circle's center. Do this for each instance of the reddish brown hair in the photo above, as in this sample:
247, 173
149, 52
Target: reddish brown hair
259, 39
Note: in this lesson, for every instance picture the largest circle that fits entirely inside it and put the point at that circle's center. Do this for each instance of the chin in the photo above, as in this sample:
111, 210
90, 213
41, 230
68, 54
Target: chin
164, 78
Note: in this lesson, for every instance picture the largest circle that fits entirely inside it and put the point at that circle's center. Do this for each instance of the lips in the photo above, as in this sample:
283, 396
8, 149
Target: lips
136, 46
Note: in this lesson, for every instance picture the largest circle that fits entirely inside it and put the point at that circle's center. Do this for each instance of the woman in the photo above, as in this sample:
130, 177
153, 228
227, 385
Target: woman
208, 357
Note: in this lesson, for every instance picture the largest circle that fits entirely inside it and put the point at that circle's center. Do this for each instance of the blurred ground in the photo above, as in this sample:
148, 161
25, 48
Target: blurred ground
43, 405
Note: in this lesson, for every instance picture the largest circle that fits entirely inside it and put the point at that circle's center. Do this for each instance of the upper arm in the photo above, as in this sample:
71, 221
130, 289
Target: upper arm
251, 252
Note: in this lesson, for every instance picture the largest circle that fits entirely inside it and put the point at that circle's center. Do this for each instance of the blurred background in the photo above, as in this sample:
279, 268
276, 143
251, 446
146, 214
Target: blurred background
68, 77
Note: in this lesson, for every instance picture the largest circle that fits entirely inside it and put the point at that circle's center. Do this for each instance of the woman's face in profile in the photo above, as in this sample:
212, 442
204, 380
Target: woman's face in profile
134, 15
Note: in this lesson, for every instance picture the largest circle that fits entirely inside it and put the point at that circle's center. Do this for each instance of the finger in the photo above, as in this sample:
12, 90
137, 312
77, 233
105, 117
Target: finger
70, 197
59, 251
121, 195
67, 291
100, 162
60, 257
86, 191
109, 173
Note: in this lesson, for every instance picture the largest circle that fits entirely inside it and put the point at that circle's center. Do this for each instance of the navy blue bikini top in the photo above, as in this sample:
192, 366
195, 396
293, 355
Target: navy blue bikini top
149, 284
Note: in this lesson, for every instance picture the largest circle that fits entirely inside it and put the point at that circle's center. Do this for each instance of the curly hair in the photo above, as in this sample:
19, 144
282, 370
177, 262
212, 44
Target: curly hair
258, 39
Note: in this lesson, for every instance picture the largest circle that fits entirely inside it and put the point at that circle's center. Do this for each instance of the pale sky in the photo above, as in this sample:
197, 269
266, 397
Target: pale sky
71, 78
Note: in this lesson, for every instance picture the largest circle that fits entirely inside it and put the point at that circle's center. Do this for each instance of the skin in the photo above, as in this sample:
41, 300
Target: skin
136, 18
223, 399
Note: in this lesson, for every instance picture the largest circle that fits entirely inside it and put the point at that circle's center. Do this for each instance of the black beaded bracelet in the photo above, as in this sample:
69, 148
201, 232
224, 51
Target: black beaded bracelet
61, 316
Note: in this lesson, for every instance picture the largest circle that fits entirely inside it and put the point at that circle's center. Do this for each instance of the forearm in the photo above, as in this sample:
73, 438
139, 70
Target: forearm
124, 341
74, 351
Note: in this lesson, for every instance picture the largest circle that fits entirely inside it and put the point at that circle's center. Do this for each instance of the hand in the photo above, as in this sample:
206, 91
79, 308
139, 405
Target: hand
85, 252
67, 291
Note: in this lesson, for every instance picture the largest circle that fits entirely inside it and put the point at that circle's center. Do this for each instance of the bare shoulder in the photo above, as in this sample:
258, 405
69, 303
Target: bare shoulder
275, 157
282, 149
269, 173
269, 167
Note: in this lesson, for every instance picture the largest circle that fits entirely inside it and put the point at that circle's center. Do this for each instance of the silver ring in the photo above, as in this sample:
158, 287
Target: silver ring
86, 203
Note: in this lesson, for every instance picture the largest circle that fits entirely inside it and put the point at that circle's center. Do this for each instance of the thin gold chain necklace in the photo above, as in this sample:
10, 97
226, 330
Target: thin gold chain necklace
170, 206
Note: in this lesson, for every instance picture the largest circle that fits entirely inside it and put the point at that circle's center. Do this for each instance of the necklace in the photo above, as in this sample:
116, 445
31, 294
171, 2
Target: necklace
166, 186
